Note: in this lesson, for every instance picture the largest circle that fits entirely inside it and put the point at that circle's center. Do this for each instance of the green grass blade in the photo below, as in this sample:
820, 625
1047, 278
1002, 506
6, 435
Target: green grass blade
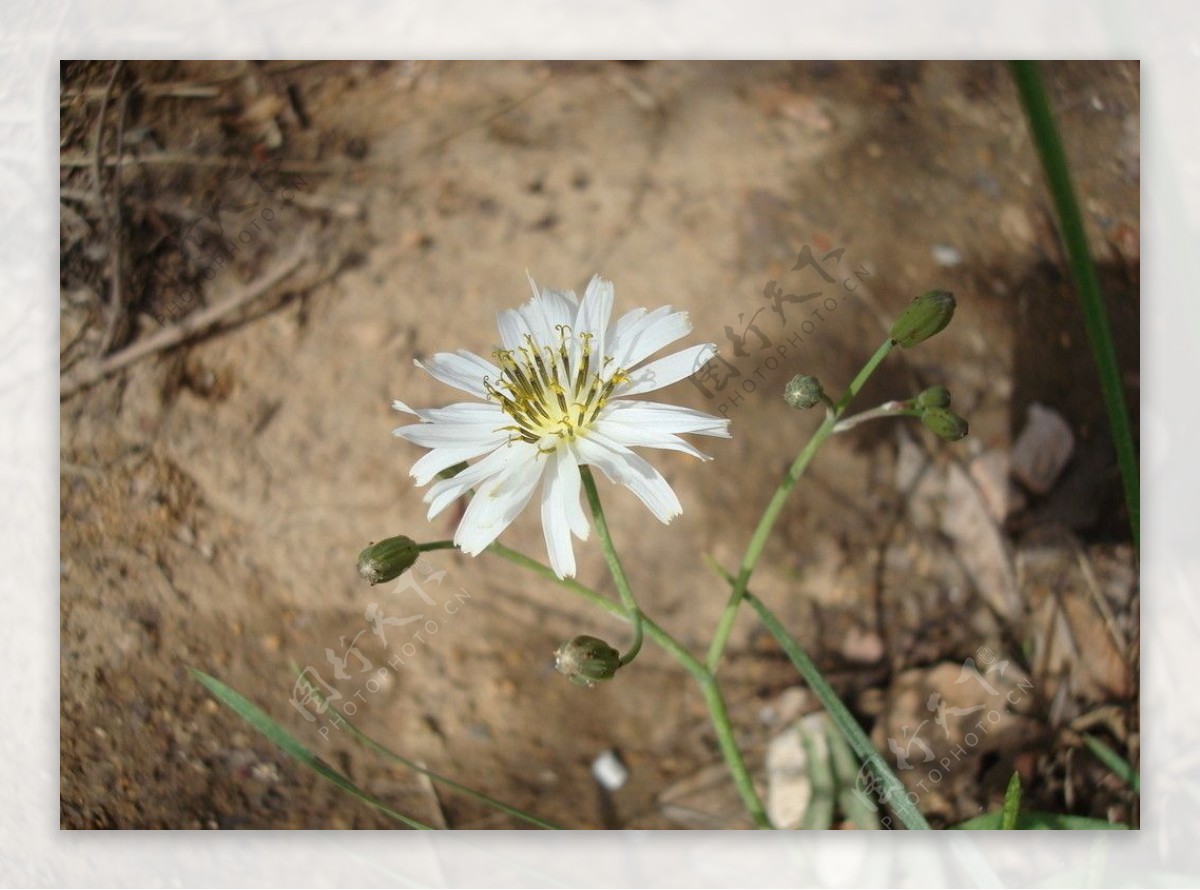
279, 736
892, 789
1012, 804
1058, 177
1114, 761
1032, 820
819, 815
857, 810
370, 743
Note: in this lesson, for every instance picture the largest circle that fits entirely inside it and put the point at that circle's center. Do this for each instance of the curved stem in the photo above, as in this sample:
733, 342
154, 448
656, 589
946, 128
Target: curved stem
763, 531
614, 564
703, 677
898, 408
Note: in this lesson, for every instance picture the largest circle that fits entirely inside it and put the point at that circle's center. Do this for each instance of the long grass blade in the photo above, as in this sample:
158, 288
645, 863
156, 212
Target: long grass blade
379, 748
1114, 761
1028, 78
892, 790
276, 734
1012, 804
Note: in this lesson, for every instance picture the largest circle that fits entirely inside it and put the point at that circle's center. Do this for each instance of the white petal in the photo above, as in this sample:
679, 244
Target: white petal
560, 493
666, 418
460, 412
513, 328
621, 465
547, 313
572, 488
635, 436
439, 459
498, 502
594, 312
445, 491
452, 435
620, 328
666, 370
647, 335
463, 370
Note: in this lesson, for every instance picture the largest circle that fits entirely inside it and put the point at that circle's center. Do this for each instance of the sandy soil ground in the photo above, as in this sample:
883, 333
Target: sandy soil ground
215, 493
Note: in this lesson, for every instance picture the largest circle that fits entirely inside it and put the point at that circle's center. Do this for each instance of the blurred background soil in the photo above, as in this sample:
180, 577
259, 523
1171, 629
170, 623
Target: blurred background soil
219, 479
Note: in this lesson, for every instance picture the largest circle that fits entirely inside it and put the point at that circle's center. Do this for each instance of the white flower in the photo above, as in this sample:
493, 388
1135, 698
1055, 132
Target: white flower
558, 398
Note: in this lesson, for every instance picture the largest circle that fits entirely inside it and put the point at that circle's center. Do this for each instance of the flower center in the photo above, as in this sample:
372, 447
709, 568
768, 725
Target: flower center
538, 390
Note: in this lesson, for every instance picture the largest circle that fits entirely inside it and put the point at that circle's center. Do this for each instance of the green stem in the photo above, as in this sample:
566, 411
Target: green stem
887, 409
435, 545
1058, 176
763, 531
614, 564
707, 682
892, 790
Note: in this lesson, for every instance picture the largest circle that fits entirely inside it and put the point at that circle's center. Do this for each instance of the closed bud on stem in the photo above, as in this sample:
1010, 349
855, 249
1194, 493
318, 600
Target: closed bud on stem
388, 559
451, 472
945, 423
934, 397
924, 317
803, 392
584, 660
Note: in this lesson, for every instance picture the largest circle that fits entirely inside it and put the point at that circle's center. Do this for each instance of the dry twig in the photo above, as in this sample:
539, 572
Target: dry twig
187, 327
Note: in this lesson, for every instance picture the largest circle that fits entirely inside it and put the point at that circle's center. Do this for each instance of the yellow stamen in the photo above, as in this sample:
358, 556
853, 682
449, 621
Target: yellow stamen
538, 391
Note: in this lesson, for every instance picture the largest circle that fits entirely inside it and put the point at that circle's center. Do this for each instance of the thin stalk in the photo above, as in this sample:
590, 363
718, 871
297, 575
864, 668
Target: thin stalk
614, 564
703, 677
763, 531
887, 409
1058, 177
436, 545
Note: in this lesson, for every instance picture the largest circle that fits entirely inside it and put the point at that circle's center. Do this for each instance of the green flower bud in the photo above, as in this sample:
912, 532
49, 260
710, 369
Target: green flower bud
451, 472
945, 423
924, 317
388, 559
584, 660
934, 397
803, 392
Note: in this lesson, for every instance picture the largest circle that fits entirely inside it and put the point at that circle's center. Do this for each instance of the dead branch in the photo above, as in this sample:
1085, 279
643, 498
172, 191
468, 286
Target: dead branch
188, 327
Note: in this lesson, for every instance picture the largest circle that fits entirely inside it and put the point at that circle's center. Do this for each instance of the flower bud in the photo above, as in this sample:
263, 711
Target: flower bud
803, 391
388, 559
924, 317
584, 660
945, 423
934, 397
451, 472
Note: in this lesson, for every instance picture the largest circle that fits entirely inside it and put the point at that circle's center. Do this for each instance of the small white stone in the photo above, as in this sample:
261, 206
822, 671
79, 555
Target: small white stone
946, 255
609, 771
1042, 449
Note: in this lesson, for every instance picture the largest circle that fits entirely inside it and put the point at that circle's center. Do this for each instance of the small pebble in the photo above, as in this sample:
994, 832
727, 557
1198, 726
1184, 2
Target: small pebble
1043, 449
945, 255
609, 771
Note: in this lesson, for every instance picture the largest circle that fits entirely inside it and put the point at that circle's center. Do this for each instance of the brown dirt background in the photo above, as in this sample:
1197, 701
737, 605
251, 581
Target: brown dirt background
215, 495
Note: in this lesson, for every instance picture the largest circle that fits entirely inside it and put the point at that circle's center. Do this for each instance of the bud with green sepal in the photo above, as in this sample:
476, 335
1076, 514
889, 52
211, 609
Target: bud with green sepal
804, 392
585, 659
945, 423
934, 397
388, 559
924, 317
